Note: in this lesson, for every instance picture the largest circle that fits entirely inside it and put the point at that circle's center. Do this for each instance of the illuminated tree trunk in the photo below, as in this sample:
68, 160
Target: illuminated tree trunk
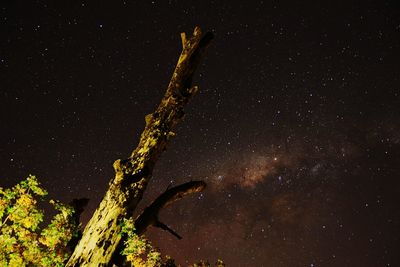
102, 236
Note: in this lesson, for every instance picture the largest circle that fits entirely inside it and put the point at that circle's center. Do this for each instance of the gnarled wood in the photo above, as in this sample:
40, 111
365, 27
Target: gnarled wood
101, 235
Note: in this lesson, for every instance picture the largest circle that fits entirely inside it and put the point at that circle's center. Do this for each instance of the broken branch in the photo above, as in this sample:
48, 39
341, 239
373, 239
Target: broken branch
150, 214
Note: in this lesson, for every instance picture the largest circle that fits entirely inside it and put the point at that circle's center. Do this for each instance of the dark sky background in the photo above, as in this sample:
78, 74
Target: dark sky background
296, 128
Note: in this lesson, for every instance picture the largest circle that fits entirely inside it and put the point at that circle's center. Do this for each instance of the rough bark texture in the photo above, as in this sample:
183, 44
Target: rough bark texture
102, 233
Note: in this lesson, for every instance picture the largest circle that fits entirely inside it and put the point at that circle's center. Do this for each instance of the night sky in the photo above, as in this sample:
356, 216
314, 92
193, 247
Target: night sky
296, 128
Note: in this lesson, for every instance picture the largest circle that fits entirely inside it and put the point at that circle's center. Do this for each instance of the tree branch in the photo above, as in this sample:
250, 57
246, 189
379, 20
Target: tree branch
166, 228
149, 215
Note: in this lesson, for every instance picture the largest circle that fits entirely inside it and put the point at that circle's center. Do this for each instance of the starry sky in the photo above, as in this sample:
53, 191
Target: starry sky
295, 129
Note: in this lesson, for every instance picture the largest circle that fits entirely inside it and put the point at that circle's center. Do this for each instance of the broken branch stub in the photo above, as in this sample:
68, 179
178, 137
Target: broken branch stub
101, 235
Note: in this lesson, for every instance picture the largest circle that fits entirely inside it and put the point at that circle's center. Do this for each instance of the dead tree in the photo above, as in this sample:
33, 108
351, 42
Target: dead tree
101, 237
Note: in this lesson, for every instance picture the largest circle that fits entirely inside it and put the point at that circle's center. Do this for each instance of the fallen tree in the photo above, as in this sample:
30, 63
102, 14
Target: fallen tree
101, 240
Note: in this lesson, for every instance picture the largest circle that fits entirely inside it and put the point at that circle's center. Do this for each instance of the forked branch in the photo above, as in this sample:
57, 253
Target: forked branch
149, 216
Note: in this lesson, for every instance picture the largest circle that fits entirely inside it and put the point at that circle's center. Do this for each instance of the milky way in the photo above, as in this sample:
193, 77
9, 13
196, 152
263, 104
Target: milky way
295, 128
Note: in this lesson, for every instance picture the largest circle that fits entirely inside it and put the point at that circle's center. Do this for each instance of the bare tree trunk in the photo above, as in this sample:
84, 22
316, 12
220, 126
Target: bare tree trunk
102, 233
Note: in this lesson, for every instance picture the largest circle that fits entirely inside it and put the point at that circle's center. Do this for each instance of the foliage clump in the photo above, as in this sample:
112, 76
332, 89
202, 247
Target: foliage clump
22, 241
138, 251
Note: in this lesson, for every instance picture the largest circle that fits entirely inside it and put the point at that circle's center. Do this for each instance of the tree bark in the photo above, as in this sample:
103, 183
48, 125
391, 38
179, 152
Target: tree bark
102, 233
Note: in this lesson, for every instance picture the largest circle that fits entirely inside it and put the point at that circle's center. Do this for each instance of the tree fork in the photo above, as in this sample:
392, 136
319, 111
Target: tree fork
102, 233
149, 216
